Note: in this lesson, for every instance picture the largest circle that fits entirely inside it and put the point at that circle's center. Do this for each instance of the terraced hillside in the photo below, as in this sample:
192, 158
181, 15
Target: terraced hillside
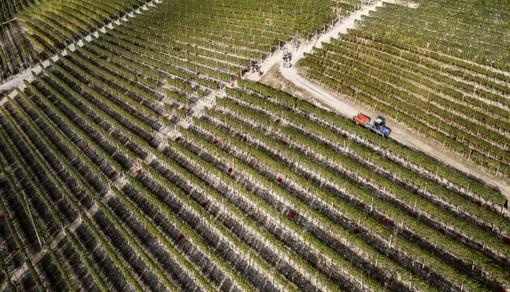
433, 69
141, 160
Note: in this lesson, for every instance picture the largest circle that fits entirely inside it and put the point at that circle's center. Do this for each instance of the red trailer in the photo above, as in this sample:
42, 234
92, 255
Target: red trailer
361, 119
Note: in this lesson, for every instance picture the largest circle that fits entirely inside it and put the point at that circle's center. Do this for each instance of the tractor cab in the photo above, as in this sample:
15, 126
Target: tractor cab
379, 124
379, 121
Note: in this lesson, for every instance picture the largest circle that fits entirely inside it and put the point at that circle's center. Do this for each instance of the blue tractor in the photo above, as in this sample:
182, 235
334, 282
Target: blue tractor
380, 128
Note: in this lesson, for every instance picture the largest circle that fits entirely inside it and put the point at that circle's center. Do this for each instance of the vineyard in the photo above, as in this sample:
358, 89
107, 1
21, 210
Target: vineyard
429, 73
140, 159
35, 30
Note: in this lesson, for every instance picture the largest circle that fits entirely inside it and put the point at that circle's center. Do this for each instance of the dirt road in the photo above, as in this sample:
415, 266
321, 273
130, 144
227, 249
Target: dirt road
348, 108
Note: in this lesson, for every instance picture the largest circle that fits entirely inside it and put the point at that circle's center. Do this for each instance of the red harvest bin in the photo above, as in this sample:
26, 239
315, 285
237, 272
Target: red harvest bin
361, 119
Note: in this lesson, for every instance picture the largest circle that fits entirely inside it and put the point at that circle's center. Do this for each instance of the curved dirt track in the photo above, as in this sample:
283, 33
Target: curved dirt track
349, 108
400, 132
